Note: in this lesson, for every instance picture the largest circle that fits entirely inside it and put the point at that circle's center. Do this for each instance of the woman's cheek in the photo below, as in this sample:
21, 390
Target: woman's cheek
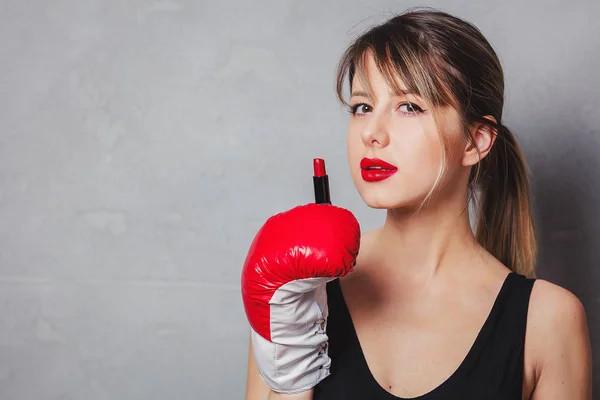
420, 162
354, 150
420, 150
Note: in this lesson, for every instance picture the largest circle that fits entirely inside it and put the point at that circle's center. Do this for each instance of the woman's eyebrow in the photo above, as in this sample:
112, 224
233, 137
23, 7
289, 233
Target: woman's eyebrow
360, 93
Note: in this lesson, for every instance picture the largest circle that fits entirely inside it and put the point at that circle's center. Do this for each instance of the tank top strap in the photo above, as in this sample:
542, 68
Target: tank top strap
507, 321
517, 301
498, 357
334, 293
338, 310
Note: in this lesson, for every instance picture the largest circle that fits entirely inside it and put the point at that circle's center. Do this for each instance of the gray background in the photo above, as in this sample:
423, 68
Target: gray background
142, 144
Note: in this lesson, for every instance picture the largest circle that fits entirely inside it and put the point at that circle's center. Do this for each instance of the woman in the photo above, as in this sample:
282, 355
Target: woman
432, 310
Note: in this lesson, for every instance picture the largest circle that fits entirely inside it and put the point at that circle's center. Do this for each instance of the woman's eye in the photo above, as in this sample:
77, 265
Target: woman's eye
405, 108
359, 109
410, 108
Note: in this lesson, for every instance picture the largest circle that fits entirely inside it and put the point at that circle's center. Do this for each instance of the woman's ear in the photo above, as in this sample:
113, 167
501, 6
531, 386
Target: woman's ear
484, 137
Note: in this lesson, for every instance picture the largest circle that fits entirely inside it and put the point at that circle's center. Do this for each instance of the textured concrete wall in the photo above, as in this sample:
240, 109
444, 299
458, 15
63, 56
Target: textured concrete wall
142, 143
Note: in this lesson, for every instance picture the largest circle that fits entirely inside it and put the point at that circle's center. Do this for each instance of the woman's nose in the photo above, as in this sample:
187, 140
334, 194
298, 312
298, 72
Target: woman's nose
376, 134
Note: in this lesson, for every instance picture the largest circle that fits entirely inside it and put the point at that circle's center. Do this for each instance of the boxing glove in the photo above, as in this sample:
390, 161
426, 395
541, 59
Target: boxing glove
290, 260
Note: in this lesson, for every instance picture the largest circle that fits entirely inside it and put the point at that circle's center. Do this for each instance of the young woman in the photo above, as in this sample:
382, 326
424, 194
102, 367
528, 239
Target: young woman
433, 310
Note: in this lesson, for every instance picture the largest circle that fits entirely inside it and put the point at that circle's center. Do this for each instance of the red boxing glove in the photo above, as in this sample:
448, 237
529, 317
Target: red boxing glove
290, 261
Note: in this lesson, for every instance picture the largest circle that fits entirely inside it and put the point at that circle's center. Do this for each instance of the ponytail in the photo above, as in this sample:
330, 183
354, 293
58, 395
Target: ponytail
505, 226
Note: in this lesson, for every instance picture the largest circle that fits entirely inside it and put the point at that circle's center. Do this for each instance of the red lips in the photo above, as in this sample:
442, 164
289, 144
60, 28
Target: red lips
375, 170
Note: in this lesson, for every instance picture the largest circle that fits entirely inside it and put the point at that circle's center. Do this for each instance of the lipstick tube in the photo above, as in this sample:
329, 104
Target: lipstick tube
321, 182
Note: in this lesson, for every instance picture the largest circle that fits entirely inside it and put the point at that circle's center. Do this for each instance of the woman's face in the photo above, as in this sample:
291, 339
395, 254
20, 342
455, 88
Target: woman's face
394, 148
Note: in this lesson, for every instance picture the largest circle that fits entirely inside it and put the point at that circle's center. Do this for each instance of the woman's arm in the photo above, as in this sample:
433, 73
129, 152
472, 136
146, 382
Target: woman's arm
257, 388
562, 344
300, 396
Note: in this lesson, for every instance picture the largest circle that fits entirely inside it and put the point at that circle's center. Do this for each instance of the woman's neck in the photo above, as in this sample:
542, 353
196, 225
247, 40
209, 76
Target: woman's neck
422, 245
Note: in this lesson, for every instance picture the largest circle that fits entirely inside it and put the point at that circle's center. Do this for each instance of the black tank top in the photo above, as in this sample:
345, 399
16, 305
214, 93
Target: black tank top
492, 369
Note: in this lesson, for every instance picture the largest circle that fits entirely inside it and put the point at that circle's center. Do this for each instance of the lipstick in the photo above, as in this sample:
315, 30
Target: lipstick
321, 182
375, 170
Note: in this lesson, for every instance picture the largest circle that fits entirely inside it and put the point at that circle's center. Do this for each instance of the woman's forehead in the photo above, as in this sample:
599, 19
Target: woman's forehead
372, 86
378, 83
368, 76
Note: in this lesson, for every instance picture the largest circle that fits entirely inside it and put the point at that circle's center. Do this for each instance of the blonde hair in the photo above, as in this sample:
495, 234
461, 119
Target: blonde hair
448, 62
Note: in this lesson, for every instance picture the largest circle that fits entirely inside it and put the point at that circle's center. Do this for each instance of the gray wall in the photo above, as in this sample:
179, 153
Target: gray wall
142, 143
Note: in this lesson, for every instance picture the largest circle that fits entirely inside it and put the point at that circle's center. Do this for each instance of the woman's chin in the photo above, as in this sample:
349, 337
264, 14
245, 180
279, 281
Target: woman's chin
380, 201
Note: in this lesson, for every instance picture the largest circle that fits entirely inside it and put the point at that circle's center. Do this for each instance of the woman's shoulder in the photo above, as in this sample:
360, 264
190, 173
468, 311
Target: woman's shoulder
557, 337
554, 307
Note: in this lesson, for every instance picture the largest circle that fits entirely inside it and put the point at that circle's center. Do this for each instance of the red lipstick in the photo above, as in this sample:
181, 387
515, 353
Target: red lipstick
375, 170
319, 167
321, 182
